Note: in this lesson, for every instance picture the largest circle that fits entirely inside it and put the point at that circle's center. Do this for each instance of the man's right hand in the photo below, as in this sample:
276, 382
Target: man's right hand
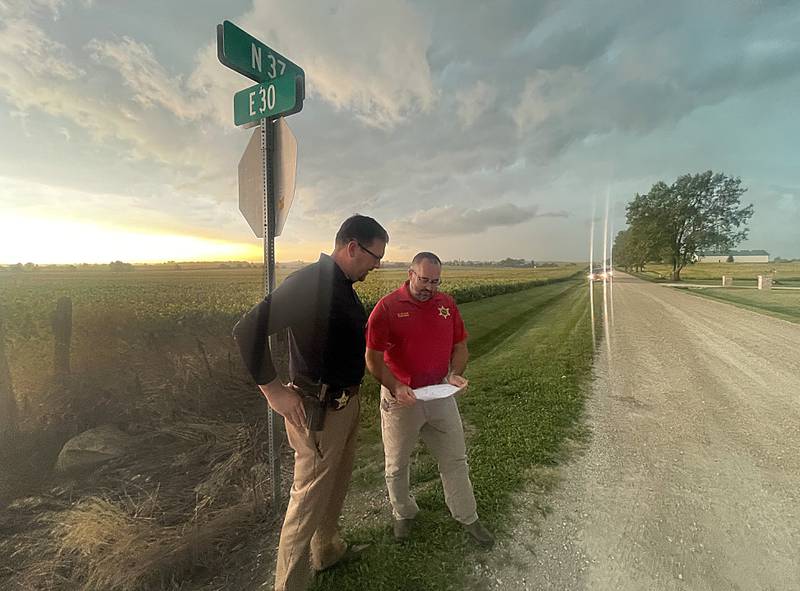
286, 402
404, 395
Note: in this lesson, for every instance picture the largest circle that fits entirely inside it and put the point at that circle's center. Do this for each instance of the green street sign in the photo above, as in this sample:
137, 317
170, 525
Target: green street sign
245, 54
282, 87
267, 100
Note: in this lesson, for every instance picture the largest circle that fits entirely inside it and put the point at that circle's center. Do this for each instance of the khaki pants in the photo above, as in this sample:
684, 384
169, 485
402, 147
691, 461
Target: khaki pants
439, 424
323, 465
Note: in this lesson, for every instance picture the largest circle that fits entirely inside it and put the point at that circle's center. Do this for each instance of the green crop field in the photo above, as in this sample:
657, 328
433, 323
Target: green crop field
114, 312
152, 294
151, 351
743, 273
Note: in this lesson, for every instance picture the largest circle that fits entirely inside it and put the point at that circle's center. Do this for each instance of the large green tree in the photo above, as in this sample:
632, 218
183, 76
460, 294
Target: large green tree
697, 212
631, 250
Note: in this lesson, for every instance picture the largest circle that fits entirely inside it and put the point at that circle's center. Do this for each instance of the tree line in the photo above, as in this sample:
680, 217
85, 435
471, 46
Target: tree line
674, 223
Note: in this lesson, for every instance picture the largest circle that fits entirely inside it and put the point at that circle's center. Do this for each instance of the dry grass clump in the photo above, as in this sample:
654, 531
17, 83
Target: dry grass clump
105, 548
167, 514
183, 500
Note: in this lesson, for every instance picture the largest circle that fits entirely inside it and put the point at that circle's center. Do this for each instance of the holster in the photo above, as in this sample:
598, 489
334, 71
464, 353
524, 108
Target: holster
315, 413
315, 404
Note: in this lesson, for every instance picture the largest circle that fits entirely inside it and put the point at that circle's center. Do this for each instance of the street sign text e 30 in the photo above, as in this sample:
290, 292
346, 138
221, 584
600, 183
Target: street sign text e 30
267, 100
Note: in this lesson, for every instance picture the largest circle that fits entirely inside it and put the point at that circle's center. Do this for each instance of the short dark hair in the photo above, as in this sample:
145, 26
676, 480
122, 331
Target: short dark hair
362, 229
424, 255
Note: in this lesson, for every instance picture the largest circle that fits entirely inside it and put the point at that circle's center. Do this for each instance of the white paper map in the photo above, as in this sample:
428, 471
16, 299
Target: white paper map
434, 392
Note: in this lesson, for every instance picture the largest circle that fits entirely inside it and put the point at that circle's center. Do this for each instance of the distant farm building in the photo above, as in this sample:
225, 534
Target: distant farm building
738, 256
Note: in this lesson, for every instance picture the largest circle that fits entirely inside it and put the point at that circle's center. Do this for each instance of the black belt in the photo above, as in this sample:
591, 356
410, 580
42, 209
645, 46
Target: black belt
336, 398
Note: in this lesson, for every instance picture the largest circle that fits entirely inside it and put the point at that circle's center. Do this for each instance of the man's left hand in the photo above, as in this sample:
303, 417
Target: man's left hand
457, 381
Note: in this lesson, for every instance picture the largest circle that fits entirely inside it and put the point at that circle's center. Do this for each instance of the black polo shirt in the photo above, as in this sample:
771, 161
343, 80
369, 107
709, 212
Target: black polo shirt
326, 323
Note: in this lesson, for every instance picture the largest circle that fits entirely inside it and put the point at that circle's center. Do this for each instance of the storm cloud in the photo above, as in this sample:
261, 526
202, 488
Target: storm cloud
442, 119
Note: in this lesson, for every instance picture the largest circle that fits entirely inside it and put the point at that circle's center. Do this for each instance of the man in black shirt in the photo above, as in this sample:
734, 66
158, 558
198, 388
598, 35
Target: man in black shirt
326, 323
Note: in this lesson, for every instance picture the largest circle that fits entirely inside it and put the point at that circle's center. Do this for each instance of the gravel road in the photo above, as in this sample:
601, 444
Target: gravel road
691, 477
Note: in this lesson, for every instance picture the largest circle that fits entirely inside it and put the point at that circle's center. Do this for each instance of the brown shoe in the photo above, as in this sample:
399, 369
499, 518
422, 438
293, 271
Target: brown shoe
353, 552
480, 534
402, 529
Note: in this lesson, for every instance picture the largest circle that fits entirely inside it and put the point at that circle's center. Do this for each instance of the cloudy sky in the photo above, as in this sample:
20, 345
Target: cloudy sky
477, 130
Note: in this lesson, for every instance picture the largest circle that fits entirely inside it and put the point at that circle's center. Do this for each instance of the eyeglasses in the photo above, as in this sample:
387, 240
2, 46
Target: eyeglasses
426, 280
364, 248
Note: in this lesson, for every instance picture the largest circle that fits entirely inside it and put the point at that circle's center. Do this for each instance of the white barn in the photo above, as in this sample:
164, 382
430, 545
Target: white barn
739, 256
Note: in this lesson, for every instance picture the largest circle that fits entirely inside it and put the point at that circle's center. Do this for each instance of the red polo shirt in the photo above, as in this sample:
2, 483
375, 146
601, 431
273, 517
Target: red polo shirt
416, 338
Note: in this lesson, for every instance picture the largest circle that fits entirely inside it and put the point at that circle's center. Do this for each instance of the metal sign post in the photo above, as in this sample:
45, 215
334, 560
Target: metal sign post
267, 151
267, 168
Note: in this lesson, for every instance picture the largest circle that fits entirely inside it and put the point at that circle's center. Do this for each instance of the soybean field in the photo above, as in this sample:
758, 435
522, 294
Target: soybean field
114, 313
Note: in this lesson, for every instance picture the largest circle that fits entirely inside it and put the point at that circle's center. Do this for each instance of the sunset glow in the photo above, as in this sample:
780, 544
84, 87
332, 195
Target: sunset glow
59, 241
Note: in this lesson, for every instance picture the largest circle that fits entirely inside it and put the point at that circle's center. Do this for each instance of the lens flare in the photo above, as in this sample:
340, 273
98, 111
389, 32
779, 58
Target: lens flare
610, 273
606, 324
591, 272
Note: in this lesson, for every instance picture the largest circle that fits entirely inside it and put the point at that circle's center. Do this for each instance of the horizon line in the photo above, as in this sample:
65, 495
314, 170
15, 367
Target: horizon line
254, 263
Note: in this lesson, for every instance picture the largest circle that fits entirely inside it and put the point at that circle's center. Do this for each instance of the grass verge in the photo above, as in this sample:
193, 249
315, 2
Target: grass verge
785, 273
778, 303
524, 401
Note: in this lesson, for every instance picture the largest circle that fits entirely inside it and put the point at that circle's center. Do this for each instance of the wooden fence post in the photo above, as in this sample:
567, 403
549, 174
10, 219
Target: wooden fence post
62, 330
8, 403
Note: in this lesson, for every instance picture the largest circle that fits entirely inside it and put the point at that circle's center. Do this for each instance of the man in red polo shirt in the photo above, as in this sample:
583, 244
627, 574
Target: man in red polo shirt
416, 338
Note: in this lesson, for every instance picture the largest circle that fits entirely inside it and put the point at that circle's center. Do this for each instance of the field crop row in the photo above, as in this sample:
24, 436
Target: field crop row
150, 297
128, 324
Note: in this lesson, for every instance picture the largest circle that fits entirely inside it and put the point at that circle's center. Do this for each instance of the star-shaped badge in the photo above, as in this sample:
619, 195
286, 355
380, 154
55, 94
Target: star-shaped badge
444, 312
341, 402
